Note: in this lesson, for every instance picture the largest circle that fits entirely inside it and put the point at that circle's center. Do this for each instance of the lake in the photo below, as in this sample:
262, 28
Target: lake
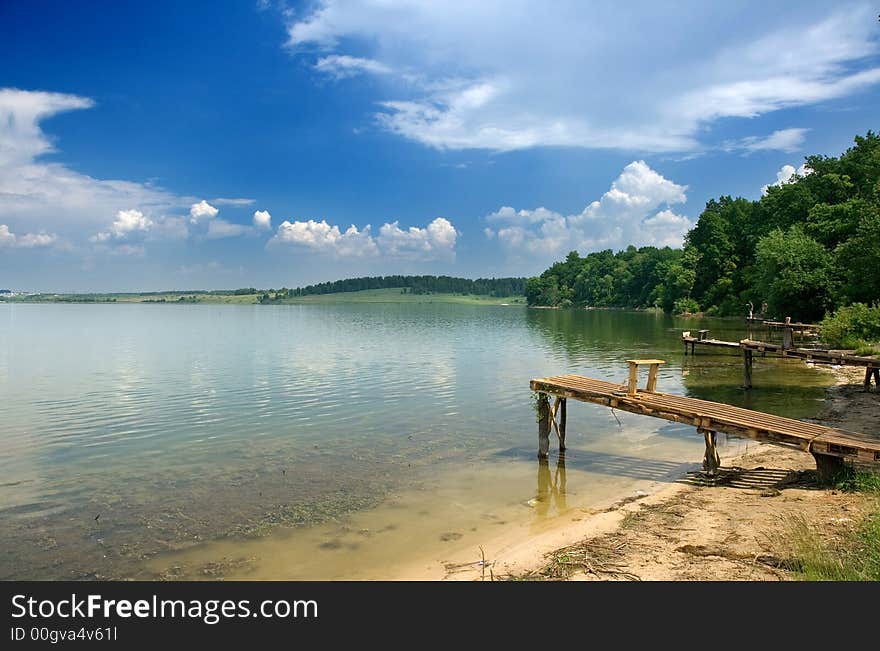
327, 441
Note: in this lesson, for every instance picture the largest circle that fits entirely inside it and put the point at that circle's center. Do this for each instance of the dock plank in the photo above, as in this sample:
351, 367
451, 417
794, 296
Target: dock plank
757, 425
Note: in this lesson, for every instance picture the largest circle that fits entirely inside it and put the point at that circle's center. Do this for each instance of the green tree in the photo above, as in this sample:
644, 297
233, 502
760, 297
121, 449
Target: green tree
794, 274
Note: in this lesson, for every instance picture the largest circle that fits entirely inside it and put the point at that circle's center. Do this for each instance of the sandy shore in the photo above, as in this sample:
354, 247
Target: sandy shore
732, 530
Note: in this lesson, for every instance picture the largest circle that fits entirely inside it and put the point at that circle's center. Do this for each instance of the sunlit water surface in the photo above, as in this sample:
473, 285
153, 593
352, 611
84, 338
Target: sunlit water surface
326, 441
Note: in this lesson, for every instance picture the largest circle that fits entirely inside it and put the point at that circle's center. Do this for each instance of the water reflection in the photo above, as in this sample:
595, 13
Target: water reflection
551, 488
184, 424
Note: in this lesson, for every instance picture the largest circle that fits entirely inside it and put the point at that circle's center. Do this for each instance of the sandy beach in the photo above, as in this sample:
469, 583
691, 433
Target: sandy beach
688, 530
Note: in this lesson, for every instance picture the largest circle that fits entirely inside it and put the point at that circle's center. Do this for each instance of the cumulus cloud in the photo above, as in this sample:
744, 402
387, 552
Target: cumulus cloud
436, 241
594, 77
128, 221
321, 236
50, 195
202, 210
787, 174
262, 219
343, 66
635, 210
6, 238
26, 241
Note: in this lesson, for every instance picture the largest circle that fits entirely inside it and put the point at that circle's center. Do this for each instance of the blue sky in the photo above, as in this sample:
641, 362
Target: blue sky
148, 146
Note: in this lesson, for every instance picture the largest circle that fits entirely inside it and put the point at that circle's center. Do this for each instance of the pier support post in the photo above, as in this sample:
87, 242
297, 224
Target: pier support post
562, 418
543, 426
828, 467
711, 460
787, 338
869, 373
747, 368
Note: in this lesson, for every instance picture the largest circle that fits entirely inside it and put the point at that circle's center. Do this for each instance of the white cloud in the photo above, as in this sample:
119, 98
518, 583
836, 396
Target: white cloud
51, 196
262, 219
26, 241
202, 210
222, 201
133, 224
635, 210
6, 238
787, 140
321, 236
786, 174
652, 78
220, 228
343, 66
436, 241
128, 221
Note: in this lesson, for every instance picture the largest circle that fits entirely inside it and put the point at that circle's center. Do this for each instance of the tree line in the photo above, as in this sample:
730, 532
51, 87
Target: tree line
498, 287
805, 248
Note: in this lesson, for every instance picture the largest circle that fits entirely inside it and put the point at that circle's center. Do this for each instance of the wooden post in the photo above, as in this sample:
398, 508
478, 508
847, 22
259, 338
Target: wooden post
633, 385
747, 368
711, 460
787, 338
652, 377
543, 426
828, 467
869, 373
562, 418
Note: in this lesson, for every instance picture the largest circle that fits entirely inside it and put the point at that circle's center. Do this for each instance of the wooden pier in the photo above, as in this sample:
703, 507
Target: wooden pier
830, 447
786, 349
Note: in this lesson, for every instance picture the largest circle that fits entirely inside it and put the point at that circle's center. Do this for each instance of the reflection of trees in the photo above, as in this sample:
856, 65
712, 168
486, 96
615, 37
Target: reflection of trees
580, 334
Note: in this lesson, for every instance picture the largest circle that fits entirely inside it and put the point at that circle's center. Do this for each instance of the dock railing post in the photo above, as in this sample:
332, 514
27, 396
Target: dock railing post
633, 385
652, 377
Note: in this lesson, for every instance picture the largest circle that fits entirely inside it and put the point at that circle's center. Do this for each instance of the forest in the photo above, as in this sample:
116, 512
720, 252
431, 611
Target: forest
418, 285
806, 248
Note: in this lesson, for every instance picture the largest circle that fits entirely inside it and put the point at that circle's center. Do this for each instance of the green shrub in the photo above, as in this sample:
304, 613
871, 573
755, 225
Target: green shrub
854, 326
686, 306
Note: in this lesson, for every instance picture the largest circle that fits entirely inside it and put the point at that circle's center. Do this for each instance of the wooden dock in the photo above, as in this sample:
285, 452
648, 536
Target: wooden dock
786, 349
830, 447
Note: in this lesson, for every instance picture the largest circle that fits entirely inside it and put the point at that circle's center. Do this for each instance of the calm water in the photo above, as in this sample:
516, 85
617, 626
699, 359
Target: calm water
323, 441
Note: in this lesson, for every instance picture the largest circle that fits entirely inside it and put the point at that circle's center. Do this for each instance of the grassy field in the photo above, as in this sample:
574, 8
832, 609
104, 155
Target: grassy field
366, 296
395, 296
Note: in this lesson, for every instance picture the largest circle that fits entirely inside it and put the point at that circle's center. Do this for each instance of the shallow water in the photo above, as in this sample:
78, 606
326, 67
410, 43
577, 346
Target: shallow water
324, 441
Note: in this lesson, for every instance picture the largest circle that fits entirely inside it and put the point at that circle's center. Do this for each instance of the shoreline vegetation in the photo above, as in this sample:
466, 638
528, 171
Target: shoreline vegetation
808, 249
